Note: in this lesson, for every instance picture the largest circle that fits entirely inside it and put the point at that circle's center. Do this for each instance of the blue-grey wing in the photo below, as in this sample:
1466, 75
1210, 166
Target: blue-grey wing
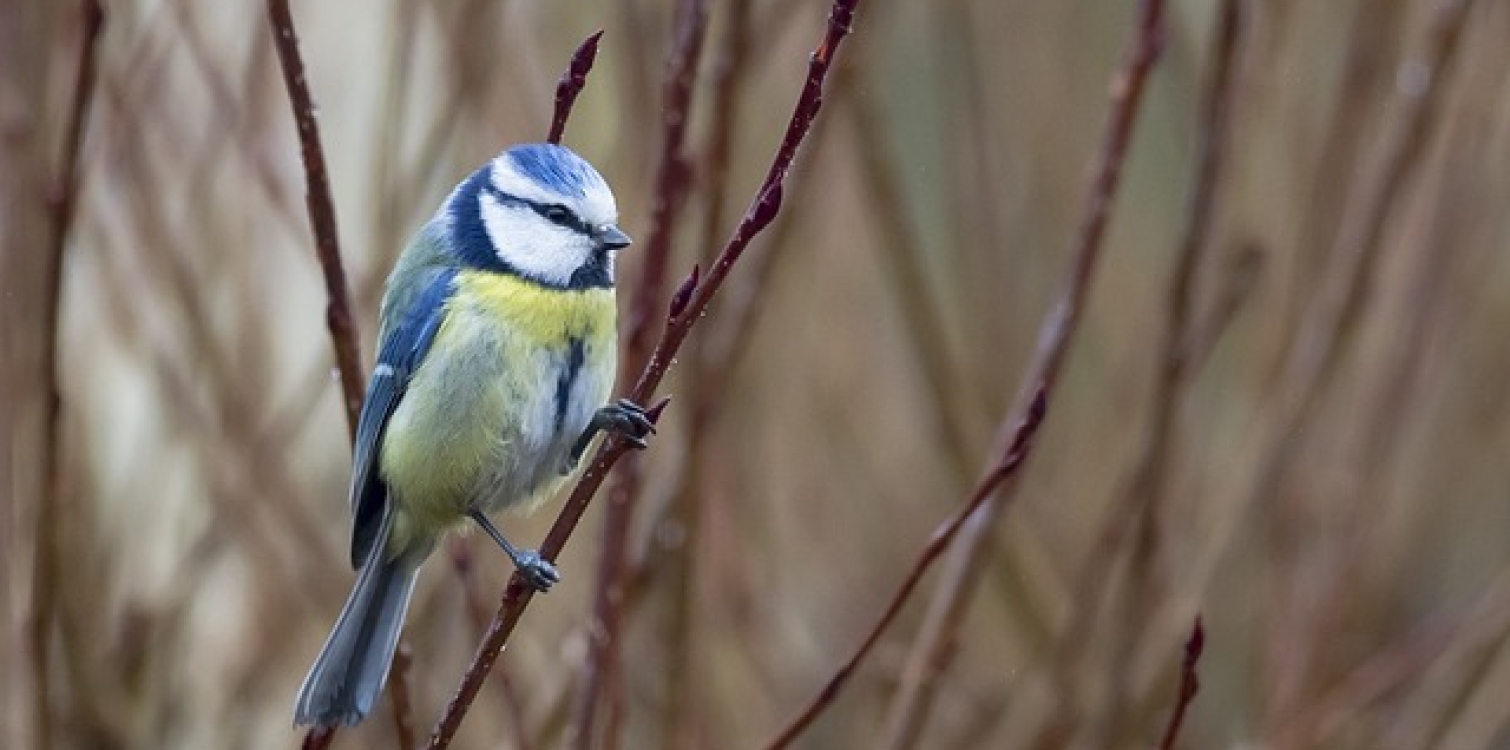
405, 342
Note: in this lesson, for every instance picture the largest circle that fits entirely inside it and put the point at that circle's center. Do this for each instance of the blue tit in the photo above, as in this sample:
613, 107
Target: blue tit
497, 351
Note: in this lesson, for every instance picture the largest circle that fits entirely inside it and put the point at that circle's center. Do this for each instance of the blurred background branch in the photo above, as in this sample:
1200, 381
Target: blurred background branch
61, 196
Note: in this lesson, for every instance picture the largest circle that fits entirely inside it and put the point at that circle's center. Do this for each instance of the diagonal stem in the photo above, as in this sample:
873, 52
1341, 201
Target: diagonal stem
997, 484
687, 307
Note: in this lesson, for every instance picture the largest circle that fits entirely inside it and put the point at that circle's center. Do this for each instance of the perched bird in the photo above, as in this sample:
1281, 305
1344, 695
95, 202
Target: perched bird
496, 355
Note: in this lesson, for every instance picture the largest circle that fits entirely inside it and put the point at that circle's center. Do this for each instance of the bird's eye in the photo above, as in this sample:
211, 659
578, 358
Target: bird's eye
558, 214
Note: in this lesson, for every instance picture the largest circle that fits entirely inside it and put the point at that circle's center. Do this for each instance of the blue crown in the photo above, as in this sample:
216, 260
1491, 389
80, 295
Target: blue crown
554, 167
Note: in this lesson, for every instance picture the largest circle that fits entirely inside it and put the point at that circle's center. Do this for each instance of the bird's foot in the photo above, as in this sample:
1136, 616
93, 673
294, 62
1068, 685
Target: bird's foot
624, 418
538, 573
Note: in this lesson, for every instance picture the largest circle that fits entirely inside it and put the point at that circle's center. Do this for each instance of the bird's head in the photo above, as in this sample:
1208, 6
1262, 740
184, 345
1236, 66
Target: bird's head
540, 212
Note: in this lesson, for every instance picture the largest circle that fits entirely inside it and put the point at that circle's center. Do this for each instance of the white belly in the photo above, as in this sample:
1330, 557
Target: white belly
536, 443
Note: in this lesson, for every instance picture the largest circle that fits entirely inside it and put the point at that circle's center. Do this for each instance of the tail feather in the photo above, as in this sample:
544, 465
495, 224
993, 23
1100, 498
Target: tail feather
348, 675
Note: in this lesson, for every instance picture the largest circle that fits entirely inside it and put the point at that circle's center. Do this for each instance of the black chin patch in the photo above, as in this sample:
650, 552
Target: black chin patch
596, 273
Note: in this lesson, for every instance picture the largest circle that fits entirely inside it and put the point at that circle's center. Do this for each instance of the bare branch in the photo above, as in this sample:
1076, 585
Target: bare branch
757, 217
62, 203
338, 317
1016, 453
1190, 683
673, 180
1136, 514
1055, 334
572, 82
322, 213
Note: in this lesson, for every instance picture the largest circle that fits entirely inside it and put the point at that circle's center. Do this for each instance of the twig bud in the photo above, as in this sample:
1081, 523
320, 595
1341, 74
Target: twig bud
684, 292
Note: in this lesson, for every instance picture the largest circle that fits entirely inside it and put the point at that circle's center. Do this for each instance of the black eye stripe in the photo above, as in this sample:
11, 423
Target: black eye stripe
552, 212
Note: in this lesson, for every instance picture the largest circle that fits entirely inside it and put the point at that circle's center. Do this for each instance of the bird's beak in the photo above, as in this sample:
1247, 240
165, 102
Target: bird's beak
611, 237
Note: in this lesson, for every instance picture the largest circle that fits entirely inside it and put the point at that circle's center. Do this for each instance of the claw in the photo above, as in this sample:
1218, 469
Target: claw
624, 418
628, 419
537, 572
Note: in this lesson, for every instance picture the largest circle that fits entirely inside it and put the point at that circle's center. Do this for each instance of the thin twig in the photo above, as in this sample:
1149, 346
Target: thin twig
1394, 401
61, 202
572, 82
1017, 451
687, 307
322, 213
601, 681
676, 563
1365, 81
1473, 634
1190, 684
1330, 329
338, 318
726, 81
1055, 334
716, 356
904, 261
1240, 274
477, 609
1139, 510
719, 354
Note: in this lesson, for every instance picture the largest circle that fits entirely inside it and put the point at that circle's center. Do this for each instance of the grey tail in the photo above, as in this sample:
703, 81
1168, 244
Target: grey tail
348, 675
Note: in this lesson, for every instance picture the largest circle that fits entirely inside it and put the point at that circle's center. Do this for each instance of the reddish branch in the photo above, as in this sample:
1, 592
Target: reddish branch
477, 610
673, 176
1331, 329
1055, 334
1012, 458
1190, 684
61, 202
322, 212
679, 323
1137, 514
571, 83
343, 334
676, 563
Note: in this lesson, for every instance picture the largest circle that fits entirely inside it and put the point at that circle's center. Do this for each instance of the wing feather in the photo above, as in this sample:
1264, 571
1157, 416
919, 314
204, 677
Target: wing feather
401, 351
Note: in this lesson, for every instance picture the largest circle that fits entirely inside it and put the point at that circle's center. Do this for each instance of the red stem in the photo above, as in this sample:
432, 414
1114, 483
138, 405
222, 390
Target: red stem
322, 213
1055, 334
673, 178
61, 203
1016, 453
758, 216
1190, 684
572, 82
338, 318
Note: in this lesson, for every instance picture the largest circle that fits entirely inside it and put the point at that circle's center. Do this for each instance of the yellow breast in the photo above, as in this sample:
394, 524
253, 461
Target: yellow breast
546, 317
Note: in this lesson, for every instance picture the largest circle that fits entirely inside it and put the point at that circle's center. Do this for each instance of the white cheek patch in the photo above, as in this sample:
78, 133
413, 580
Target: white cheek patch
531, 245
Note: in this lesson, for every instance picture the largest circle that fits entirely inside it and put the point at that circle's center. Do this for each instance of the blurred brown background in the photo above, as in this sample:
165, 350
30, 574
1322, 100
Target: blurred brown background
1335, 488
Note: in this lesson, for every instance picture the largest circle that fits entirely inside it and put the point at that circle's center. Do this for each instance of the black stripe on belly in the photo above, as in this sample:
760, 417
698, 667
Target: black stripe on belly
575, 355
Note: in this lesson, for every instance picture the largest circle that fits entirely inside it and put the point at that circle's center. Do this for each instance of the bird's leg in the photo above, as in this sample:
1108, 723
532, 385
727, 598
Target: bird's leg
538, 572
624, 418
